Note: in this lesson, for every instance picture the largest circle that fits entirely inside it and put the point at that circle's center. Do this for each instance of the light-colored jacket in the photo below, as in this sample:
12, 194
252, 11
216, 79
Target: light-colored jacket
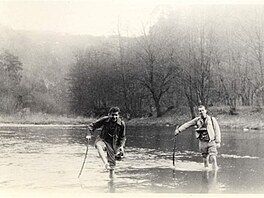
211, 124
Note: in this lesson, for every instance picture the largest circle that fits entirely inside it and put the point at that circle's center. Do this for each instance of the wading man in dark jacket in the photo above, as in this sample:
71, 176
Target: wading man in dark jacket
111, 138
208, 133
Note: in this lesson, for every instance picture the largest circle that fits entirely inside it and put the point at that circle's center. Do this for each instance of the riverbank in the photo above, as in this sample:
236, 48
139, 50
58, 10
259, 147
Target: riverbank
246, 118
44, 119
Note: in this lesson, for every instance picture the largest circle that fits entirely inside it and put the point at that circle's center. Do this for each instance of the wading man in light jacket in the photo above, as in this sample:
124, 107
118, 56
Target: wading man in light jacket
208, 133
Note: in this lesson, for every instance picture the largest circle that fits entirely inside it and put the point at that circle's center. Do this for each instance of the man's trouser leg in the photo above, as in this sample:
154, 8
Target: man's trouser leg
101, 148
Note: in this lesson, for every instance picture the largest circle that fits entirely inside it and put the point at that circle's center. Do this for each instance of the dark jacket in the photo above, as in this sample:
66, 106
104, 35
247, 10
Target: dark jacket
118, 130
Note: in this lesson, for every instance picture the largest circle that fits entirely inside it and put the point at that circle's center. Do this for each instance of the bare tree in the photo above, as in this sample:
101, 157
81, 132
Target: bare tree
158, 66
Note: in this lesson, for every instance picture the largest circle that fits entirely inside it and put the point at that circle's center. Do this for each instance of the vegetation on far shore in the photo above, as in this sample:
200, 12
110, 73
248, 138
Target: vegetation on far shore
245, 118
177, 61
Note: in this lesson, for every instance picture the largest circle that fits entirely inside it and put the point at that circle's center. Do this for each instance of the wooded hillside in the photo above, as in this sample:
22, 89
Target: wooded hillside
209, 54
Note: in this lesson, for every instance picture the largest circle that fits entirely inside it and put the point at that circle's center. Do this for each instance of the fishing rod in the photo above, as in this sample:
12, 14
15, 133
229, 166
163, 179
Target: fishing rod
174, 148
87, 148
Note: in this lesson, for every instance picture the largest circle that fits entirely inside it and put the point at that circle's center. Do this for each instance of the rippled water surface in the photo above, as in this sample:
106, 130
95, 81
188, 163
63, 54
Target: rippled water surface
47, 158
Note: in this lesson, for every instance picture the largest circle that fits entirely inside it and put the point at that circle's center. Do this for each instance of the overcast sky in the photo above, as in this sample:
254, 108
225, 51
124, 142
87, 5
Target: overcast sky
94, 17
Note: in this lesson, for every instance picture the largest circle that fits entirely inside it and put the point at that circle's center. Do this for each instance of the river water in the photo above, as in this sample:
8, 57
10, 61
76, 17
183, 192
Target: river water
48, 158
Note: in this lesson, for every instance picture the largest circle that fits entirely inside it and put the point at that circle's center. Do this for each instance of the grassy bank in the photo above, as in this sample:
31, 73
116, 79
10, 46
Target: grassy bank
246, 118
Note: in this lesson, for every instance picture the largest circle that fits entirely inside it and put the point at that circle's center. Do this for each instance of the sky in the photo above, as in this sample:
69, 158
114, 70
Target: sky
90, 17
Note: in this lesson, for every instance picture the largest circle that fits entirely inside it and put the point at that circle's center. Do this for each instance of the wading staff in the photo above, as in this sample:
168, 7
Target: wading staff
87, 146
174, 148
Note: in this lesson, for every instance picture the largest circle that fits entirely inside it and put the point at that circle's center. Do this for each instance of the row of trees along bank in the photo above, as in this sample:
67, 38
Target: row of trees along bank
190, 55
207, 57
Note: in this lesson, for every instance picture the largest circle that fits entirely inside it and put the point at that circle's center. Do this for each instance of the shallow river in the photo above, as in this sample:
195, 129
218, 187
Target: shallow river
49, 158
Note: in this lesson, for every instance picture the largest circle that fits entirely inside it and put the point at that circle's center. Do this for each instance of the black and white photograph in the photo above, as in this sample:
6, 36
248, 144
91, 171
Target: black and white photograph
131, 98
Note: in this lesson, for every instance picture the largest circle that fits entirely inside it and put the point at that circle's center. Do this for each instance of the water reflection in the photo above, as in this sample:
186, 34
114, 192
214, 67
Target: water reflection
111, 186
209, 181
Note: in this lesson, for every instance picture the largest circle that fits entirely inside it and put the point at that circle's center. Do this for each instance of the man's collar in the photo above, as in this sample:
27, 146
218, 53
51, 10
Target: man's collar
204, 118
119, 122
